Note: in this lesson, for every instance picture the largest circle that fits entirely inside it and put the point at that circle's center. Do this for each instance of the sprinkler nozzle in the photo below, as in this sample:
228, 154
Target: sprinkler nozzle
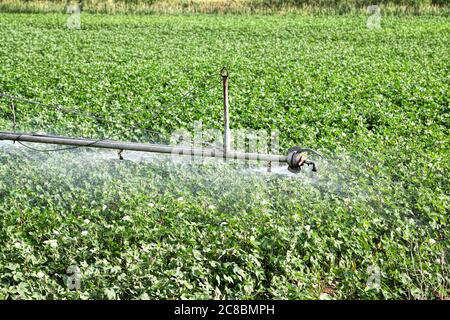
296, 159
313, 164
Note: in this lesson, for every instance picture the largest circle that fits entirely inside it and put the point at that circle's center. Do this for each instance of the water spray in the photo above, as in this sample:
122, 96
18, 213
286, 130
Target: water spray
295, 158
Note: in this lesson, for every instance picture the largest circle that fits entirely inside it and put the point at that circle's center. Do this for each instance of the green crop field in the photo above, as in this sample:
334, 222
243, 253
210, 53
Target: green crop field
373, 223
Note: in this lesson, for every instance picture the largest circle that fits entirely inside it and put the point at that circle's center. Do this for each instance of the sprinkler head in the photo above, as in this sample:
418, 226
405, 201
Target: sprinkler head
311, 163
296, 159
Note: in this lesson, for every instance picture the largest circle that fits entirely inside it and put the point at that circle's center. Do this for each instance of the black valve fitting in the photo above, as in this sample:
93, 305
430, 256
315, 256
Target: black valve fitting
296, 160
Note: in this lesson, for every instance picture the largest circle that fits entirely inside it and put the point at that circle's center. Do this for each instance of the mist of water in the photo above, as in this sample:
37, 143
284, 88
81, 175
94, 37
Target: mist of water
212, 177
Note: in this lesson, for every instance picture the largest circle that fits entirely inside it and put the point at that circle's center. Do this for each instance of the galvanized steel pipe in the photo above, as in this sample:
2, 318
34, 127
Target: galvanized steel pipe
118, 145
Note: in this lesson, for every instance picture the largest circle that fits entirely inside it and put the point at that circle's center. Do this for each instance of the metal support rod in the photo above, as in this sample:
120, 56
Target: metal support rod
226, 114
118, 145
13, 109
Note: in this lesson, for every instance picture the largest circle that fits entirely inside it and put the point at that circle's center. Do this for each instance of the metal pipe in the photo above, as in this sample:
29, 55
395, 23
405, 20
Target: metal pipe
226, 114
118, 145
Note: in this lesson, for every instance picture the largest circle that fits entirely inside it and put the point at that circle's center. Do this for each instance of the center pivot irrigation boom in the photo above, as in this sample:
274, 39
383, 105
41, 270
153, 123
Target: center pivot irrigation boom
295, 158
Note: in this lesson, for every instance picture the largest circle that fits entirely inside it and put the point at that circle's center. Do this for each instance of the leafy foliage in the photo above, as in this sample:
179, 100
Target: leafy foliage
439, 7
375, 102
